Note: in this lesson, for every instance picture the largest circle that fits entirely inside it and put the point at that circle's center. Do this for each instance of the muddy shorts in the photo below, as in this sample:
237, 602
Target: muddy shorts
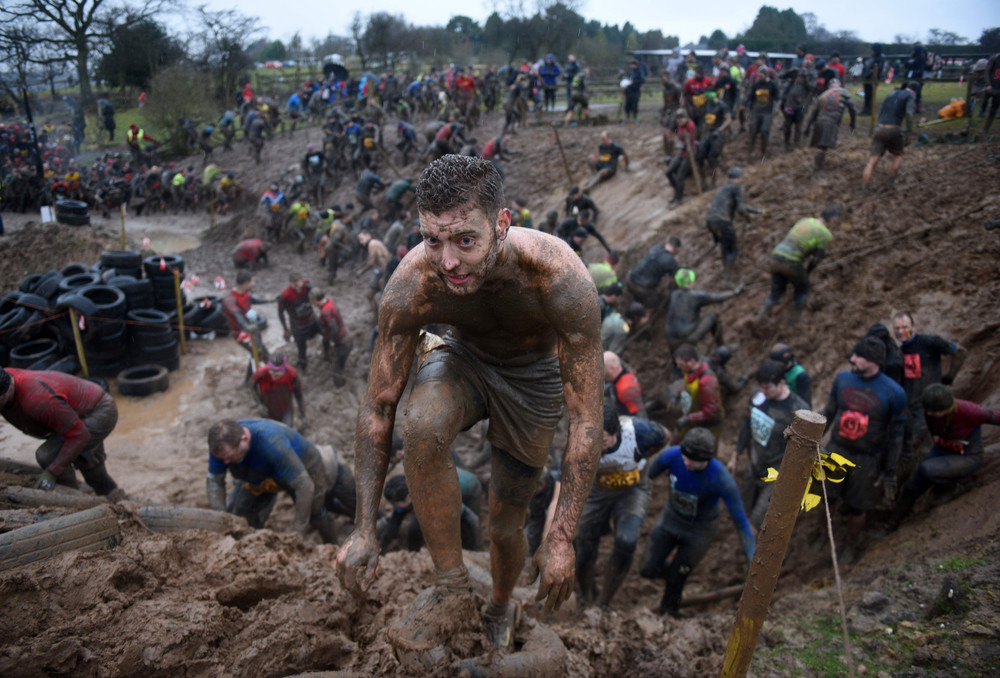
824, 134
887, 139
579, 99
524, 403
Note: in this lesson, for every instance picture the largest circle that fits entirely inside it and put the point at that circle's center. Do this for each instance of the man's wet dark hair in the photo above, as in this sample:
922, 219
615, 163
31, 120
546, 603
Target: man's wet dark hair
243, 277
829, 213
396, 489
686, 352
674, 242
770, 372
455, 181
225, 432
611, 424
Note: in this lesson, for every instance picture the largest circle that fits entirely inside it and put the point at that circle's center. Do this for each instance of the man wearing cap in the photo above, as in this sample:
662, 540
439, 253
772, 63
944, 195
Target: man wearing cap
866, 414
889, 136
72, 415
622, 386
605, 163
266, 457
922, 355
795, 376
690, 518
576, 240
644, 280
771, 411
685, 323
274, 385
957, 452
794, 258
620, 496
726, 202
825, 120
616, 327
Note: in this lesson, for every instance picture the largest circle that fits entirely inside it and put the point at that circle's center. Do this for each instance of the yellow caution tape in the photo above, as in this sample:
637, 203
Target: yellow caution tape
830, 466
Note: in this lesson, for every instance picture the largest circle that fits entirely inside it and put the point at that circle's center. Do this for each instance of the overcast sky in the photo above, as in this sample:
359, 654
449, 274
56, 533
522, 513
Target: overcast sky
873, 21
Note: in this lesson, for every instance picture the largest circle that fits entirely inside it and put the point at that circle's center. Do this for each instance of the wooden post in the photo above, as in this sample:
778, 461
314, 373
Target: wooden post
562, 154
74, 320
694, 167
180, 308
121, 208
772, 541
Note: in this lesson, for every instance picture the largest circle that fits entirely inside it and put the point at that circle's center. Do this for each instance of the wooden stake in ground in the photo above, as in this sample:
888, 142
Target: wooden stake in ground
180, 308
772, 541
562, 154
694, 167
122, 208
74, 321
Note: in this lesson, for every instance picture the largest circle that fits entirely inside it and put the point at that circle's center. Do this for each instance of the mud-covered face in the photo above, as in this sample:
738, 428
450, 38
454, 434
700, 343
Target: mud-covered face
902, 327
463, 245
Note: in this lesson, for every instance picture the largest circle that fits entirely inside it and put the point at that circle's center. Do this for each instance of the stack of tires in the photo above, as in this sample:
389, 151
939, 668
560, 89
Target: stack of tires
128, 321
160, 271
72, 213
151, 339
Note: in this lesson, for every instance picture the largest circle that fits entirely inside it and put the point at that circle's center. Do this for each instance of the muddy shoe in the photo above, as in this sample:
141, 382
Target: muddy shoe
434, 615
499, 622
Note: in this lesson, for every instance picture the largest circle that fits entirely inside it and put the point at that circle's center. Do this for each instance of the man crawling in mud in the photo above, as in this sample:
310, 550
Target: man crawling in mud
525, 336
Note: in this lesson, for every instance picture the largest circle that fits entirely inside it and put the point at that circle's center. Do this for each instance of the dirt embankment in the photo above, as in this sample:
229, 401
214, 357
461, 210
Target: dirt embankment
266, 603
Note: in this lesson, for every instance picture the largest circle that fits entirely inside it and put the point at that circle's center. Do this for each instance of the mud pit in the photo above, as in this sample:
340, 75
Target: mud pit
268, 604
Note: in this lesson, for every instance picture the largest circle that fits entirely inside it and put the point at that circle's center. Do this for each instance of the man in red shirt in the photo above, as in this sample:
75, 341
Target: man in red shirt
251, 253
694, 95
699, 400
301, 323
243, 321
72, 415
334, 330
274, 385
624, 386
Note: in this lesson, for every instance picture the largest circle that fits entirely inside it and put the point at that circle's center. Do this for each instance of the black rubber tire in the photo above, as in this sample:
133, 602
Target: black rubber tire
89, 530
35, 302
121, 259
30, 328
215, 321
4, 356
74, 283
43, 363
151, 265
25, 355
143, 380
67, 365
148, 327
138, 293
9, 301
76, 268
28, 282
105, 368
73, 219
10, 320
108, 318
157, 353
70, 207
48, 285
77, 302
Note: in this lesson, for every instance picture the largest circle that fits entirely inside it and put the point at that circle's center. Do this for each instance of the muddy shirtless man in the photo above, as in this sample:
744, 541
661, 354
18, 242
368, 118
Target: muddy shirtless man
525, 337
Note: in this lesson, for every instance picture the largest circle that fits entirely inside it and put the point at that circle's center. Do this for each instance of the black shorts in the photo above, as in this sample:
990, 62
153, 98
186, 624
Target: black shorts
887, 139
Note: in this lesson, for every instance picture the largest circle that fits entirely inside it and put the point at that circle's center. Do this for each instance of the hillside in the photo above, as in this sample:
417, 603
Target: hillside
265, 603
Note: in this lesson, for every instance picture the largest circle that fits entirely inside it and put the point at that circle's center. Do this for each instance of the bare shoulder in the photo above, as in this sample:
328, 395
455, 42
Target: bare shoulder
544, 253
556, 273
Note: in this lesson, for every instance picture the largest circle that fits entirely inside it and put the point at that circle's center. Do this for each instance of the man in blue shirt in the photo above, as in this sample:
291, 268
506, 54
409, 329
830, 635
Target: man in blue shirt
265, 457
621, 495
691, 516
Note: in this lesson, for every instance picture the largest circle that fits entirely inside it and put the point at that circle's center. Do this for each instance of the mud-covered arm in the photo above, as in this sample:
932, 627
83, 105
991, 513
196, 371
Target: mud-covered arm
215, 488
957, 360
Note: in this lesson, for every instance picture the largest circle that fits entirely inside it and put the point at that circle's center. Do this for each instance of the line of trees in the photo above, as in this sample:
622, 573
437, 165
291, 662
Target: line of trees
124, 43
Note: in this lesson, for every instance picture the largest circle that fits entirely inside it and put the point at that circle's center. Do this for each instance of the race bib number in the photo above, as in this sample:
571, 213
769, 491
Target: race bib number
313, 159
911, 366
369, 142
761, 426
266, 487
685, 503
686, 401
698, 100
352, 139
620, 480
275, 206
763, 95
853, 425
605, 157
710, 119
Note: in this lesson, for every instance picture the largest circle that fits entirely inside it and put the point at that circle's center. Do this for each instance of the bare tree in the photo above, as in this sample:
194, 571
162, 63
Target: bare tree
73, 29
225, 38
357, 33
